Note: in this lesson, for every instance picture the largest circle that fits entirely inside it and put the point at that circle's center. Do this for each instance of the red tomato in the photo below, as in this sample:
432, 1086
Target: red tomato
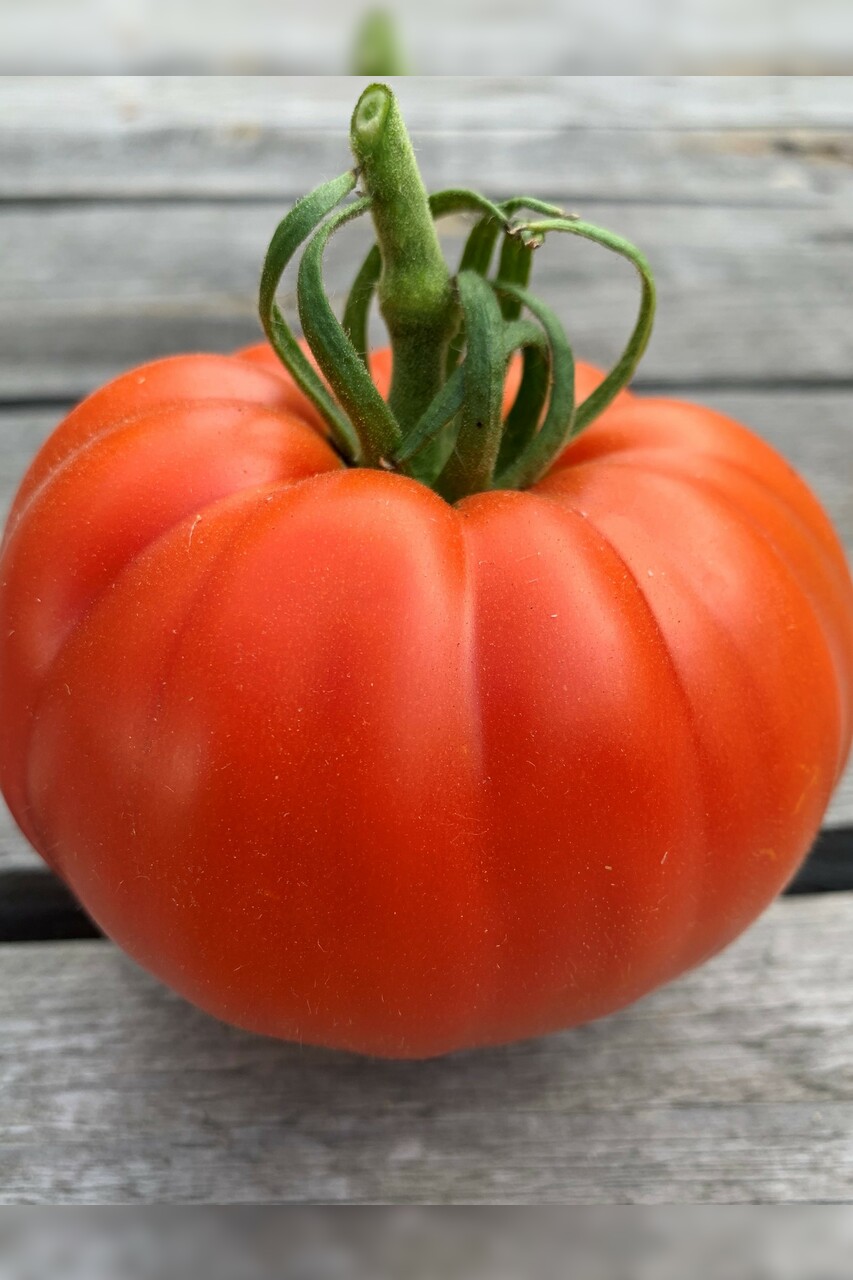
343, 763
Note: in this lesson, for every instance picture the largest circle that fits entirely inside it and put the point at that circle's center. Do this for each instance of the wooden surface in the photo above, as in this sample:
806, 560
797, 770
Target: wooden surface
734, 1084
135, 214
133, 217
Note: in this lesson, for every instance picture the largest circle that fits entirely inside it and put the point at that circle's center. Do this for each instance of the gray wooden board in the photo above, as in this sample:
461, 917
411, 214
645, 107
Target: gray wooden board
733, 1084
134, 212
104, 104
760, 139
747, 295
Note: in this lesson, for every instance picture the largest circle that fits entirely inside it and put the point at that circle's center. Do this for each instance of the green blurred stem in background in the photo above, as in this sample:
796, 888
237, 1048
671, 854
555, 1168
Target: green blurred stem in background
377, 50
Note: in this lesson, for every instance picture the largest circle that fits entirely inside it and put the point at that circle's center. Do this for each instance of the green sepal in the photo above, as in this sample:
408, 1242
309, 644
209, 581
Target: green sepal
375, 426
546, 443
523, 418
621, 373
290, 233
446, 405
357, 310
471, 464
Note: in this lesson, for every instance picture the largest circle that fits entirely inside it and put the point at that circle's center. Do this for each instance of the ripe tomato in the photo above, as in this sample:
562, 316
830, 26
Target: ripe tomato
346, 764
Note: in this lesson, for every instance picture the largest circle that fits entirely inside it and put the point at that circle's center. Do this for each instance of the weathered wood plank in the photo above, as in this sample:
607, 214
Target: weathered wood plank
470, 102
759, 139
734, 1084
747, 295
635, 103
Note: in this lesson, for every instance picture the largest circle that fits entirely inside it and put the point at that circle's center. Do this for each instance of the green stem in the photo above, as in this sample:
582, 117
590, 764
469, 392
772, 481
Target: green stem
377, 51
441, 204
443, 423
415, 292
519, 335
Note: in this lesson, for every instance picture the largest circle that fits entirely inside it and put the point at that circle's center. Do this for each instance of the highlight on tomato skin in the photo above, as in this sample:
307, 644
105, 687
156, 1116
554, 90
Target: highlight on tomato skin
398, 729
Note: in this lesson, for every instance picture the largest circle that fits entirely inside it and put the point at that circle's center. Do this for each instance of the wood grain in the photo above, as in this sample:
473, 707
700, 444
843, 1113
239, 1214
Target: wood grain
487, 102
733, 1084
134, 211
750, 296
762, 140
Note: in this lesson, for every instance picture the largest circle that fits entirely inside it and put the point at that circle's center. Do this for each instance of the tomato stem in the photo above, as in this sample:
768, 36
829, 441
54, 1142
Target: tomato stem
377, 50
451, 336
415, 294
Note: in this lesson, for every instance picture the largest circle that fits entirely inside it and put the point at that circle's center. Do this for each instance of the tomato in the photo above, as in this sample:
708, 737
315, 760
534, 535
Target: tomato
345, 763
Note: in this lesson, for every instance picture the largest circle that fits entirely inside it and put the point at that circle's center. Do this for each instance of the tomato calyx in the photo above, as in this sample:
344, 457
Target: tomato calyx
452, 336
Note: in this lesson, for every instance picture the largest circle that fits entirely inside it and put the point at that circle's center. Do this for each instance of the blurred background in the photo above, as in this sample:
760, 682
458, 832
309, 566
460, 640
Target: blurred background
728, 1243
444, 37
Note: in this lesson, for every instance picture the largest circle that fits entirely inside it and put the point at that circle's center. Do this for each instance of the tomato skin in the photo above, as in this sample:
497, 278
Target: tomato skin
345, 764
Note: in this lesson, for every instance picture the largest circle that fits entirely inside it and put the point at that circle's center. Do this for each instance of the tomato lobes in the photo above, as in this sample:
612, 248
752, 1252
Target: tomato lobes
346, 764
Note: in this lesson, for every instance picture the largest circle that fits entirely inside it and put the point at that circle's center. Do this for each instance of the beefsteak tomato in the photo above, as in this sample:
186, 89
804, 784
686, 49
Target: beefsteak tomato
345, 762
